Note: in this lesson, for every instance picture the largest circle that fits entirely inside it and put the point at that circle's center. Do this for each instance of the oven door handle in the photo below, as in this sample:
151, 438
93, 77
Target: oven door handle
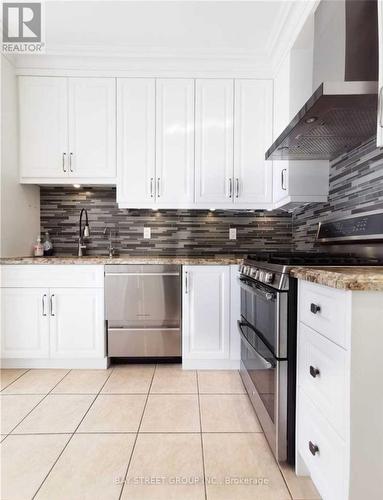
266, 362
264, 294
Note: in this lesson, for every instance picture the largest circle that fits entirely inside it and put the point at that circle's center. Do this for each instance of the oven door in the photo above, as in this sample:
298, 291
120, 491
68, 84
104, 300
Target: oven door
265, 309
265, 379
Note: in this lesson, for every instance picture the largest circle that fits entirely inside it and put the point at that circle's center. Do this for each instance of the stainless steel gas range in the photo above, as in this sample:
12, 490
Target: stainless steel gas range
269, 317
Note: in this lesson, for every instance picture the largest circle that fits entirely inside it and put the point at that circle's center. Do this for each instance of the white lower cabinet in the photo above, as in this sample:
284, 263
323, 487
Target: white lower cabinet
60, 326
339, 404
24, 323
208, 339
76, 323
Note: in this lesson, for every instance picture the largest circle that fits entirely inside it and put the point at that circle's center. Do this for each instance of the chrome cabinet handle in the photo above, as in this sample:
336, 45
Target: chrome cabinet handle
151, 187
230, 187
70, 162
314, 372
63, 164
237, 187
186, 283
313, 448
314, 308
51, 304
158, 187
380, 107
43, 301
283, 185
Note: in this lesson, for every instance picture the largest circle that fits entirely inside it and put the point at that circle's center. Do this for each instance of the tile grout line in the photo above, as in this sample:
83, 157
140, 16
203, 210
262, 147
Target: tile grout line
71, 434
36, 405
137, 433
13, 381
201, 437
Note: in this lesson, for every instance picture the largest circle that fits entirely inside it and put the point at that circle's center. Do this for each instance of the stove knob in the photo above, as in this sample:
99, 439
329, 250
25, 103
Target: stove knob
269, 277
261, 276
240, 268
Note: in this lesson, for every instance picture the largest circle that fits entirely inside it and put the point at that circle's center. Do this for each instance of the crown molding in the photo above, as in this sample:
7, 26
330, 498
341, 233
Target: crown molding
291, 21
151, 63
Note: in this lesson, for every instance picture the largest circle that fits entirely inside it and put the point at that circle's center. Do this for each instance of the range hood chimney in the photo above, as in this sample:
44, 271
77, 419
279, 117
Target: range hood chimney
341, 114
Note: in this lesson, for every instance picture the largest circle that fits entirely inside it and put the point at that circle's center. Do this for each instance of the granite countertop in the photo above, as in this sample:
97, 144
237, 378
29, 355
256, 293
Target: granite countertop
127, 259
368, 278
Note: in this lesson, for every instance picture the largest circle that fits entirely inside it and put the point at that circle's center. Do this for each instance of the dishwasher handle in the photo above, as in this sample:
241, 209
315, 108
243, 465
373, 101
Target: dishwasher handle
142, 274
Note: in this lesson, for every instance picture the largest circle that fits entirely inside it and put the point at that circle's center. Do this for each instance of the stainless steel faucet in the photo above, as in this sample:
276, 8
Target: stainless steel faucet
111, 248
83, 233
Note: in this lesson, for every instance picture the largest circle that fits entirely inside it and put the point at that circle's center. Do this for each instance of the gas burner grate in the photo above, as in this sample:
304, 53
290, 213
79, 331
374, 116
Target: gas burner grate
313, 259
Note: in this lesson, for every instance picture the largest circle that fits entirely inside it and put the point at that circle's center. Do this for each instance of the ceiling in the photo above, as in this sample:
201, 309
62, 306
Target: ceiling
185, 28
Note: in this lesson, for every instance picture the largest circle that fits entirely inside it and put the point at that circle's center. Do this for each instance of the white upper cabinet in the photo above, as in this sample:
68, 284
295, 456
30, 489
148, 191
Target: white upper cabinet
92, 127
67, 130
379, 135
43, 121
175, 142
253, 128
136, 141
214, 142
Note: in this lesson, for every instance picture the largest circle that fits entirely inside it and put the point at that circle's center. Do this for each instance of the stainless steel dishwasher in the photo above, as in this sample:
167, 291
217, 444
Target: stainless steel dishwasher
143, 310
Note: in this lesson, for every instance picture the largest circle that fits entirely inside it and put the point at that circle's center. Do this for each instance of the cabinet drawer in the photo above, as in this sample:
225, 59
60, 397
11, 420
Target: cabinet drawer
40, 275
327, 465
325, 310
322, 374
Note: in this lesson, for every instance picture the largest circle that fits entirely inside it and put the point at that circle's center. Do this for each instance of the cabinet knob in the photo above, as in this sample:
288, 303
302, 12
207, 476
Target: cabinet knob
314, 372
314, 308
313, 448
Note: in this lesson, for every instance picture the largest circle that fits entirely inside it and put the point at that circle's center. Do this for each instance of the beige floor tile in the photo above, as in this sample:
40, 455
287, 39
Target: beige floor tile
36, 382
228, 413
56, 413
129, 379
166, 457
82, 382
301, 488
13, 408
9, 375
220, 382
90, 468
172, 379
114, 413
26, 460
171, 413
230, 458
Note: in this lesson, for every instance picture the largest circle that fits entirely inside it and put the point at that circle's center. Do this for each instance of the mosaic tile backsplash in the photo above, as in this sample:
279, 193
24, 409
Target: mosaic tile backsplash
174, 232
356, 185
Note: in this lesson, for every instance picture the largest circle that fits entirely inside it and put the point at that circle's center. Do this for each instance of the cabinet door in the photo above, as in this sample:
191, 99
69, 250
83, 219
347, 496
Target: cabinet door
379, 135
175, 141
206, 312
24, 323
214, 141
43, 121
252, 136
77, 323
92, 128
136, 141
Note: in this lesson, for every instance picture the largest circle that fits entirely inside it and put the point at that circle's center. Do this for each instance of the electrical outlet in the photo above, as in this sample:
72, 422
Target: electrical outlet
147, 233
232, 233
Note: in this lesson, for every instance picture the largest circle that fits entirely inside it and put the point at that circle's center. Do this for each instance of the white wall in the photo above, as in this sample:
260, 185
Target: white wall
20, 205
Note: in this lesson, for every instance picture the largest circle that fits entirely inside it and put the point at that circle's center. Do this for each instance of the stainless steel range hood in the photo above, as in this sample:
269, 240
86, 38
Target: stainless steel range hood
342, 112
